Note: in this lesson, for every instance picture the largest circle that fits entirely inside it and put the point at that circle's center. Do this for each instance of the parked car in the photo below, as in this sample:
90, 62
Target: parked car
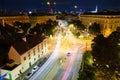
40, 64
35, 68
29, 75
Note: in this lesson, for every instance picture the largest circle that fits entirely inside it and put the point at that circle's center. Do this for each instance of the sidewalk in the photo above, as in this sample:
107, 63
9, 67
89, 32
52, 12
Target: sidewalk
22, 76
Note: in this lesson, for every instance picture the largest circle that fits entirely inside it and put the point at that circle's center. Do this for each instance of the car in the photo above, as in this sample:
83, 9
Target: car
68, 53
29, 74
35, 68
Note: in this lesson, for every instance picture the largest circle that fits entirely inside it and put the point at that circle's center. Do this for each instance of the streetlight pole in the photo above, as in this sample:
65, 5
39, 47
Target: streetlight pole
48, 3
75, 7
55, 10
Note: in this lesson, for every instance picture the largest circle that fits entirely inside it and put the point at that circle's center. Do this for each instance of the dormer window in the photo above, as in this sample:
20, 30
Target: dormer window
34, 51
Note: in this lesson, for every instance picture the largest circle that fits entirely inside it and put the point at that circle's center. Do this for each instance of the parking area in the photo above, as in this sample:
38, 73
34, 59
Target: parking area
27, 74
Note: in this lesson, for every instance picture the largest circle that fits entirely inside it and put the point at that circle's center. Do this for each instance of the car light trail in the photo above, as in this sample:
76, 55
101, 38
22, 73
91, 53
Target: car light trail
48, 64
70, 65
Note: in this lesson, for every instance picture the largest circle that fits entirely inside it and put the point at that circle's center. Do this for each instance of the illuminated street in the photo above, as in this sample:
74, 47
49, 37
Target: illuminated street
61, 66
48, 65
59, 40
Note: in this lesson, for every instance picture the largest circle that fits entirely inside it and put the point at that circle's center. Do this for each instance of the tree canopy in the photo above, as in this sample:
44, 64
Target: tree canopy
106, 51
118, 29
78, 24
87, 71
94, 29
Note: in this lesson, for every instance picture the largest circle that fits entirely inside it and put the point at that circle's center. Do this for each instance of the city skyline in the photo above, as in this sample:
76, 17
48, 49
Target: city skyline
41, 47
60, 5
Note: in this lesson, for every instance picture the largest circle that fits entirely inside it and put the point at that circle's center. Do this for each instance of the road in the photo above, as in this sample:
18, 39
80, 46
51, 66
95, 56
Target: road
59, 66
46, 67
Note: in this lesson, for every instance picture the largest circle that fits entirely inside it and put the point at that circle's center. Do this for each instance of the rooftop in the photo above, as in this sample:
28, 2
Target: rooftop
22, 46
102, 13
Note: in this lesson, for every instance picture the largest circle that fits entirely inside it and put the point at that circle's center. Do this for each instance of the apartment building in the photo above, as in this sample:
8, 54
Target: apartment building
23, 55
26, 18
108, 21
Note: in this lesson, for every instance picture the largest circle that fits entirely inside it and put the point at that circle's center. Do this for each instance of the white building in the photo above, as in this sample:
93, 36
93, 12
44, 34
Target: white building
23, 55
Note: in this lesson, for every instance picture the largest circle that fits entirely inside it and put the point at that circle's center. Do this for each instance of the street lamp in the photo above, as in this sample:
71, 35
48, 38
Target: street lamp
48, 3
55, 7
119, 44
54, 3
75, 6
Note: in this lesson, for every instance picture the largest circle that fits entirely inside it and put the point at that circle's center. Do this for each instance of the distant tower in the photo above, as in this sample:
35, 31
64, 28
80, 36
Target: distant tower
96, 10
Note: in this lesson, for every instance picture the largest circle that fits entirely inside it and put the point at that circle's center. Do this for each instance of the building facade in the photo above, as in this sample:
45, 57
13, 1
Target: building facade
23, 55
11, 19
25, 18
108, 23
25, 60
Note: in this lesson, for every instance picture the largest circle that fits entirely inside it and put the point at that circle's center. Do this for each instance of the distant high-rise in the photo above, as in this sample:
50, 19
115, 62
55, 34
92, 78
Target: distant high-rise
1, 11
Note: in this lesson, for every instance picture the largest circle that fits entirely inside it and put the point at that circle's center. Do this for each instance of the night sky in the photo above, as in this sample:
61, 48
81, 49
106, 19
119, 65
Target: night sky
61, 5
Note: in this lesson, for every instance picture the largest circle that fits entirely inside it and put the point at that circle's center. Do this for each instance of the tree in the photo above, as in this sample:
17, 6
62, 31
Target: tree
94, 29
88, 72
37, 28
49, 21
44, 28
106, 53
49, 26
17, 24
118, 29
88, 58
25, 27
114, 37
78, 25
114, 41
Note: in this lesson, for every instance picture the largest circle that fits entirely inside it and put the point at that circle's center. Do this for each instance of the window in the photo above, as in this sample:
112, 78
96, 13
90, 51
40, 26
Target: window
38, 55
42, 53
42, 45
38, 49
34, 59
24, 58
34, 51
111, 27
20, 71
29, 55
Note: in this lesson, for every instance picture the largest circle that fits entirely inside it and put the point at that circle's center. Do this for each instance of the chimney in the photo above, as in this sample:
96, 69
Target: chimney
3, 22
24, 39
35, 33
